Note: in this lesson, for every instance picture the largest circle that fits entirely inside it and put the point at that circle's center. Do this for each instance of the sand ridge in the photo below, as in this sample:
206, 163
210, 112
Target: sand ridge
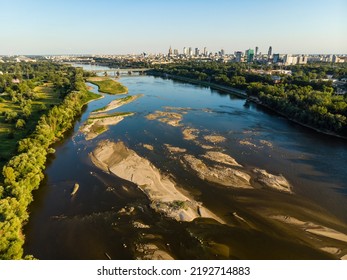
125, 163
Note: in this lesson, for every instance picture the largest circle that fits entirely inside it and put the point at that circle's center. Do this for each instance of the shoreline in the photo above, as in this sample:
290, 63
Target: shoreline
243, 94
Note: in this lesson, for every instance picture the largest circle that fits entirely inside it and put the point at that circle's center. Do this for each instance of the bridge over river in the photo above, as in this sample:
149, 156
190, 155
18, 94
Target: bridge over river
122, 71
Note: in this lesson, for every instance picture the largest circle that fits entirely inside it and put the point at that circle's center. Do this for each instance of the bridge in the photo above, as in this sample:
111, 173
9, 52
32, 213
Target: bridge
121, 71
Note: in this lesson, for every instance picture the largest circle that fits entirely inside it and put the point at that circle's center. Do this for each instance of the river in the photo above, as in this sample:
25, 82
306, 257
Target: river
98, 222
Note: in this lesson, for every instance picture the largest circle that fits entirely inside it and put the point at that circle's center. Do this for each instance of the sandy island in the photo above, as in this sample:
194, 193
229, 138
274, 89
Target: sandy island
165, 198
117, 103
170, 118
217, 173
98, 125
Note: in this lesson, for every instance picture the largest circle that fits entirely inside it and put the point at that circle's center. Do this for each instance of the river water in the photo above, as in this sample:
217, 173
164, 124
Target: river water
98, 222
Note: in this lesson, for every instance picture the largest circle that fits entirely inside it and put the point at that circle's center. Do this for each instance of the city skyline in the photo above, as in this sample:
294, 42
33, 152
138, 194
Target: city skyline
115, 27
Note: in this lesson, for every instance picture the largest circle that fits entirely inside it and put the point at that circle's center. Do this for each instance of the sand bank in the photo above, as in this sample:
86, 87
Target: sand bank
215, 138
277, 182
330, 234
117, 103
117, 159
98, 125
148, 147
190, 133
218, 174
170, 118
221, 158
173, 149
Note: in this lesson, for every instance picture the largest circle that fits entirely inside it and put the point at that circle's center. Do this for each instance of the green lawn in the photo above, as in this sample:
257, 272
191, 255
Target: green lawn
107, 85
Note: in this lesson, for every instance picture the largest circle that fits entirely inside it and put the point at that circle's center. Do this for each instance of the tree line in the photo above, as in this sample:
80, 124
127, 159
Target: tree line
304, 96
24, 171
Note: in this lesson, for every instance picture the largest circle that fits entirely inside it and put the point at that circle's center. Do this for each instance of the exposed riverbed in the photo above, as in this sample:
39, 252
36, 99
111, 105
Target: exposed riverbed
249, 183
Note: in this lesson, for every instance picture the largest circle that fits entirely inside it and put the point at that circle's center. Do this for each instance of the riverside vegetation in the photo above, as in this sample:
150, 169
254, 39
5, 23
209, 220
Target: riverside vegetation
107, 85
306, 96
39, 102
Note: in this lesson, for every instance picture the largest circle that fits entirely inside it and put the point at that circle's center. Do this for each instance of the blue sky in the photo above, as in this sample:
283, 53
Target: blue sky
152, 26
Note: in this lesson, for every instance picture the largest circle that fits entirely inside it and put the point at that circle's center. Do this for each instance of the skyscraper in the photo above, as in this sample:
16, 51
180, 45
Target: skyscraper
197, 51
269, 53
185, 51
256, 51
250, 55
170, 51
238, 56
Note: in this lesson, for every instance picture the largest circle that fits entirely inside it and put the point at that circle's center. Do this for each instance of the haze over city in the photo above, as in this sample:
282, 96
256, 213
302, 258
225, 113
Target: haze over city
123, 27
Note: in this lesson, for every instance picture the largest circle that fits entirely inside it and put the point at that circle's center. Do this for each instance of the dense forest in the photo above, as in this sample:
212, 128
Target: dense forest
305, 95
24, 171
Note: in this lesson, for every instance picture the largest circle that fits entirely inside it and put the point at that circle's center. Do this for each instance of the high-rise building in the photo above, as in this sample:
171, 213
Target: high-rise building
269, 53
238, 56
190, 51
205, 51
288, 59
176, 52
249, 55
256, 51
185, 52
197, 51
302, 59
222, 52
170, 51
276, 58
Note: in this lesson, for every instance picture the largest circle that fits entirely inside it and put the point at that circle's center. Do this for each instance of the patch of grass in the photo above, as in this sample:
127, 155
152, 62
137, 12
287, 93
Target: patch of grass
109, 86
90, 96
99, 129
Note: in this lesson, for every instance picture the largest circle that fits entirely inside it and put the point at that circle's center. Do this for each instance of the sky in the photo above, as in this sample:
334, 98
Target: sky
152, 26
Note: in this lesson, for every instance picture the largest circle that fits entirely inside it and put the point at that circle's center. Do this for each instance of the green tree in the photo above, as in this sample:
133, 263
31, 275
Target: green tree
20, 124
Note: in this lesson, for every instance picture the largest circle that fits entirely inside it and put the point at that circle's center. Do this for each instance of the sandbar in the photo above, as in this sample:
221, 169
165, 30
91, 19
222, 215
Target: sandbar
116, 158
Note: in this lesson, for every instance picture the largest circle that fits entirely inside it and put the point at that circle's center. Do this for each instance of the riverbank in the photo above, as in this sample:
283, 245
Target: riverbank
27, 166
243, 94
329, 133
235, 91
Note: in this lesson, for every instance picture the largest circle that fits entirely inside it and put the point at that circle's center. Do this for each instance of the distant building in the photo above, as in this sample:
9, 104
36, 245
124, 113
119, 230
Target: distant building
276, 58
170, 51
269, 53
185, 51
290, 60
336, 59
190, 51
197, 52
176, 52
238, 56
256, 51
249, 55
222, 52
302, 59
205, 51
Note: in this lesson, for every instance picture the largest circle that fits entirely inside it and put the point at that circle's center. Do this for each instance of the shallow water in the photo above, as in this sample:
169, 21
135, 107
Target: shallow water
89, 225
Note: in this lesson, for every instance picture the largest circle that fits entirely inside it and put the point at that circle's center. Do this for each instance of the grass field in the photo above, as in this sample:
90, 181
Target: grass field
9, 135
107, 85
